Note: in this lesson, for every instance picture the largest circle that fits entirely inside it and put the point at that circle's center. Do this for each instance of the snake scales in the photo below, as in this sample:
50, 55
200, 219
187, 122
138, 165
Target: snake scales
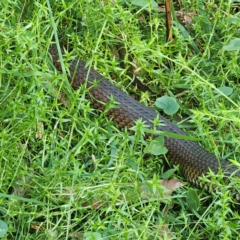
193, 160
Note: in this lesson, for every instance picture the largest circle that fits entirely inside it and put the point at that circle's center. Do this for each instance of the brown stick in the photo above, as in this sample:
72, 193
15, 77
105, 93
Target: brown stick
168, 20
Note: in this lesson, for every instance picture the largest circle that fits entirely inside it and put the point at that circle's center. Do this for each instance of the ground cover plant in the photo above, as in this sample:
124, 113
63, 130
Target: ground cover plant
67, 171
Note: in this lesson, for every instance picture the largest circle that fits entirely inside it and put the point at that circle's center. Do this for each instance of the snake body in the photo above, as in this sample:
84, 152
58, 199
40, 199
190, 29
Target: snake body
193, 160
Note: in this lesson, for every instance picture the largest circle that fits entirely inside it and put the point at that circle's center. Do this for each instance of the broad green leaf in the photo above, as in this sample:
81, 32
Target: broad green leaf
234, 45
143, 3
234, 19
193, 200
225, 90
156, 147
132, 164
92, 236
3, 228
168, 104
169, 173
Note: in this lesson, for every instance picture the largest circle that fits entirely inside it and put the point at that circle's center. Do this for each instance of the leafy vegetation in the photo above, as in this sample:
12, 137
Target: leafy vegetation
68, 172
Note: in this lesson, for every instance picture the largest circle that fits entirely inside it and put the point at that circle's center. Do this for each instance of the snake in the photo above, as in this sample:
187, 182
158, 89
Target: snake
193, 160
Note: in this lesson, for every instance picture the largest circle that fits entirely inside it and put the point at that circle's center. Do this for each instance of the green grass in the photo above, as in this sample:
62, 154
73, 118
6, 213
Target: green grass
70, 173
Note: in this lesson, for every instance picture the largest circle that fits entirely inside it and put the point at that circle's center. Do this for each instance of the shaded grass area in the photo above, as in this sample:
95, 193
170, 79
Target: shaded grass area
69, 173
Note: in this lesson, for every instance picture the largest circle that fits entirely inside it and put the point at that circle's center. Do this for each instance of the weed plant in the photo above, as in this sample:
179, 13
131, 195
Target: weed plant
68, 172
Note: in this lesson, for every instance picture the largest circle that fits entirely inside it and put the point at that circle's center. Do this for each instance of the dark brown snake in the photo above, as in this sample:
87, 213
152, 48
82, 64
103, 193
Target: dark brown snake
193, 160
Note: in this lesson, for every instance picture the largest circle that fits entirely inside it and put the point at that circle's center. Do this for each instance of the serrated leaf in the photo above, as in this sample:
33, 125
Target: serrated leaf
168, 104
3, 228
225, 90
143, 3
193, 200
234, 45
